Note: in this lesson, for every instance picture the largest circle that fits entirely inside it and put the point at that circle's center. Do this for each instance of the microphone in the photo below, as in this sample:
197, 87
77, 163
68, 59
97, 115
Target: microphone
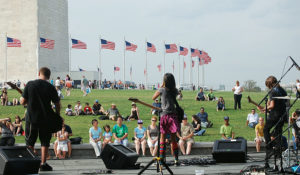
296, 65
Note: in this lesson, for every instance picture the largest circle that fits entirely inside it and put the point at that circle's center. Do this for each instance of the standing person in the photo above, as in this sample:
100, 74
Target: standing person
152, 134
140, 137
95, 137
237, 91
39, 90
277, 110
68, 85
84, 85
169, 123
4, 97
57, 83
252, 119
120, 132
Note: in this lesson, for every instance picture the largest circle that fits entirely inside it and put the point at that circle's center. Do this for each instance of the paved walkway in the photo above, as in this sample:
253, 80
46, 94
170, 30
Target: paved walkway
95, 166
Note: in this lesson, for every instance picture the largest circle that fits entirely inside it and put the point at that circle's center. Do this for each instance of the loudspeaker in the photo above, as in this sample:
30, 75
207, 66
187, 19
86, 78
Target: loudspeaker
18, 160
116, 156
230, 151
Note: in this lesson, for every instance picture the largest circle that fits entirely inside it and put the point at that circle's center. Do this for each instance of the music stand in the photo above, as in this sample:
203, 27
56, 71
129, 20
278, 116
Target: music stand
159, 161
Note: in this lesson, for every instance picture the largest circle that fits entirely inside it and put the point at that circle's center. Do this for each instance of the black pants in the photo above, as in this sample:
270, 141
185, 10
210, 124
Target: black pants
33, 131
270, 123
7, 141
237, 100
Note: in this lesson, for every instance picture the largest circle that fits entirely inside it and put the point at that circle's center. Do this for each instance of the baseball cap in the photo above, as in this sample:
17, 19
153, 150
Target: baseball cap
184, 117
113, 104
226, 118
133, 103
140, 122
96, 101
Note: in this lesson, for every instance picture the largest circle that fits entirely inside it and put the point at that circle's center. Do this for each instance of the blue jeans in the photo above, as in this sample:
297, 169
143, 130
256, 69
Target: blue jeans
252, 125
294, 143
123, 142
228, 138
199, 133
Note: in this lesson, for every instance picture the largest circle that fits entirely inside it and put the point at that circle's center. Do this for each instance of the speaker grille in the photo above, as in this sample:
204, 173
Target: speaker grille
229, 145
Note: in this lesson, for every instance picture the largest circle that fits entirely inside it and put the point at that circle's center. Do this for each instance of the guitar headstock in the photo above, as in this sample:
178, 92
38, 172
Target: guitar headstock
133, 99
12, 85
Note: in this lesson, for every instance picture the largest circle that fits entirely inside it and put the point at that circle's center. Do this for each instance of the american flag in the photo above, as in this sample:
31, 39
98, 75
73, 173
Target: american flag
150, 47
159, 67
183, 51
77, 44
11, 42
184, 65
46, 43
107, 44
195, 52
130, 46
116, 68
171, 48
200, 62
193, 63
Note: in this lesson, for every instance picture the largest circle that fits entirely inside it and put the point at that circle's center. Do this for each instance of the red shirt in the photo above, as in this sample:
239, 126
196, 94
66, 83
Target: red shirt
87, 108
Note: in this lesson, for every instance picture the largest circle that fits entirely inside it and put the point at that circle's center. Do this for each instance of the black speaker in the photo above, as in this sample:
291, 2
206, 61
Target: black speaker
230, 151
18, 160
116, 156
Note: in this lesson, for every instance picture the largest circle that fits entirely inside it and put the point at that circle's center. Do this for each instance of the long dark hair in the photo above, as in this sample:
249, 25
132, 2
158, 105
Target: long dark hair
197, 119
170, 84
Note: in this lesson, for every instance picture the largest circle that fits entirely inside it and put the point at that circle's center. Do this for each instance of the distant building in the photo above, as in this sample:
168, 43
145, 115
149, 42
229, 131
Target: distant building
28, 21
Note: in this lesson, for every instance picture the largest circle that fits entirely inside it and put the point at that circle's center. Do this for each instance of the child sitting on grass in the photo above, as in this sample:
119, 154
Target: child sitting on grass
69, 111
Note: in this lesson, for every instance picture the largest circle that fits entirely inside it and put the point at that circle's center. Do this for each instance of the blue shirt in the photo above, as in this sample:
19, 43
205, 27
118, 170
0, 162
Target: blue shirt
107, 135
139, 132
158, 105
95, 133
203, 117
200, 95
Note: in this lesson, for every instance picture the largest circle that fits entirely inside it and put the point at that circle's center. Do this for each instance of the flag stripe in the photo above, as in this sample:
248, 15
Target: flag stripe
12, 42
107, 44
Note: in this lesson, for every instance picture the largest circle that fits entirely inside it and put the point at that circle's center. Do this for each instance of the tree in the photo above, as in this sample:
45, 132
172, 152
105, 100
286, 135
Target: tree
250, 85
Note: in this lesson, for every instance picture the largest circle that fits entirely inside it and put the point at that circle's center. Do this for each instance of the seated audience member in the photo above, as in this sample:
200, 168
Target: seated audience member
78, 109
4, 97
155, 104
152, 134
221, 104
113, 112
69, 111
70, 133
97, 108
107, 136
15, 102
179, 96
120, 132
87, 109
197, 126
200, 96
18, 128
226, 130
140, 138
259, 132
186, 136
203, 116
252, 119
211, 96
62, 143
134, 112
7, 135
95, 137
296, 128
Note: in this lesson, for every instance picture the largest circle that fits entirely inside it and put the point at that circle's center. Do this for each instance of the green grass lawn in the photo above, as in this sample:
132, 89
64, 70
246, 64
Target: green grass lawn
81, 124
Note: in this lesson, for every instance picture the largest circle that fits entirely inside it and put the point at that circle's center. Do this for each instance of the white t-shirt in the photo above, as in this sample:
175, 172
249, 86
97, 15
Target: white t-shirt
298, 86
252, 118
57, 82
68, 110
238, 90
78, 108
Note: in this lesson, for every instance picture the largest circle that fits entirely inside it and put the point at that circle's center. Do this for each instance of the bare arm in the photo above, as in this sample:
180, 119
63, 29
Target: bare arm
57, 108
224, 137
156, 94
90, 134
115, 136
23, 101
124, 136
232, 135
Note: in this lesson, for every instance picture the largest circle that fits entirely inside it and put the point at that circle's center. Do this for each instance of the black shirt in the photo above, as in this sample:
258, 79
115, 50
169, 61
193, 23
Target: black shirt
38, 93
280, 104
96, 107
195, 125
68, 129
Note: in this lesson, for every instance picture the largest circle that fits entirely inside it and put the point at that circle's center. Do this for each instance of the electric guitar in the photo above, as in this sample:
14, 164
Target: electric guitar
143, 103
13, 86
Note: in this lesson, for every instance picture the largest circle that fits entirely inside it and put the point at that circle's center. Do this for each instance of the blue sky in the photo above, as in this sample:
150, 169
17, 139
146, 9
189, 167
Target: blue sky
246, 39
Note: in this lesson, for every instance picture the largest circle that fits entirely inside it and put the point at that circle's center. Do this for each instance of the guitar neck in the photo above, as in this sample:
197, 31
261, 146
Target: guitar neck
19, 90
148, 105
254, 103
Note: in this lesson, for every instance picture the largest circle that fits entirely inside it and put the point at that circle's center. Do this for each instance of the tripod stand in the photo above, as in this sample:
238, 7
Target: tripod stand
159, 161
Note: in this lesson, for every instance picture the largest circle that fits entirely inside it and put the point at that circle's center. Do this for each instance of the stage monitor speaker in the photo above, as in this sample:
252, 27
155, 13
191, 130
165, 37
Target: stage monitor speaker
116, 156
18, 160
230, 151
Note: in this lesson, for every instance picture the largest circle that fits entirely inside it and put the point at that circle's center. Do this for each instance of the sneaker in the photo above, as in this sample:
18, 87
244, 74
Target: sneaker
176, 163
45, 167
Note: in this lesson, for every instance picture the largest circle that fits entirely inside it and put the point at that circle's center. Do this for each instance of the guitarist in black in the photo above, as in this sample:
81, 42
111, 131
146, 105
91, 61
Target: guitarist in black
38, 95
277, 112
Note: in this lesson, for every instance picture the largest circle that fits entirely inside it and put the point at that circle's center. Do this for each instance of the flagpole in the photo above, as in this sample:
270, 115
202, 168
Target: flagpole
114, 74
198, 73
6, 57
164, 58
124, 63
190, 76
99, 71
70, 53
173, 66
146, 73
179, 66
203, 82
130, 72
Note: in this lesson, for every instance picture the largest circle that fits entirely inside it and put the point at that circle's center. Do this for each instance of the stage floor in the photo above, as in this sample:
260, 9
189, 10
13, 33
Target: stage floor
94, 166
